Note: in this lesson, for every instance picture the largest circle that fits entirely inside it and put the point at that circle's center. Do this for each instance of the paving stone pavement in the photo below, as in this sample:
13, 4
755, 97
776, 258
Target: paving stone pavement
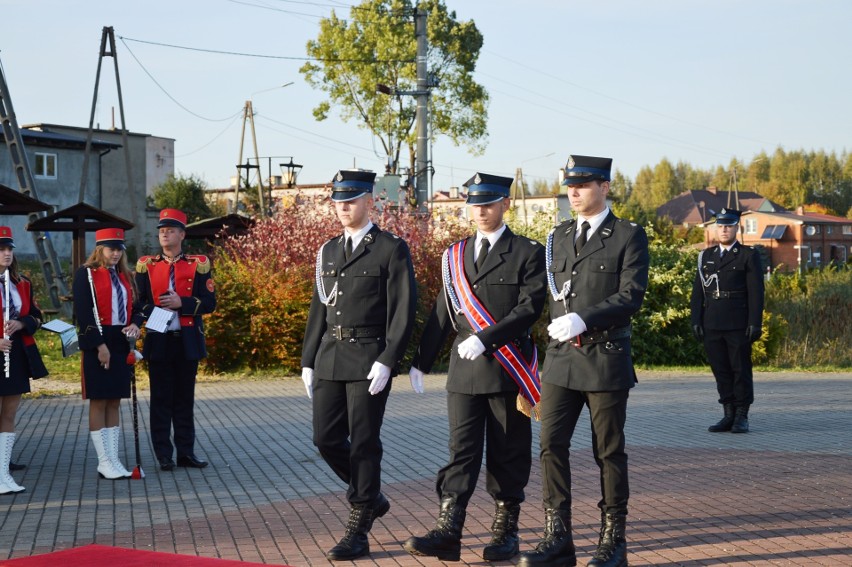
779, 495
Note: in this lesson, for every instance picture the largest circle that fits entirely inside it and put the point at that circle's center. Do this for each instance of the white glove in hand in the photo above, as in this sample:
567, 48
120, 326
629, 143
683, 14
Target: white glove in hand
566, 327
308, 379
378, 377
416, 376
471, 348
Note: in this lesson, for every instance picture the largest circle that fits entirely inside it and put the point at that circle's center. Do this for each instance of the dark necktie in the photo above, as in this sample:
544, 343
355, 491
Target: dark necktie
483, 252
172, 283
347, 248
721, 252
581, 238
13, 311
119, 293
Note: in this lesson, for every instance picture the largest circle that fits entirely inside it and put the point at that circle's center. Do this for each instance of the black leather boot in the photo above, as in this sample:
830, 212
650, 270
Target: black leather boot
726, 422
557, 547
504, 543
443, 542
612, 546
354, 543
740, 420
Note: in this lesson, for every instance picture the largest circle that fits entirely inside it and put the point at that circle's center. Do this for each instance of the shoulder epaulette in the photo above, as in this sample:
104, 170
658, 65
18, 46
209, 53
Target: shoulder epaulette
142, 264
202, 263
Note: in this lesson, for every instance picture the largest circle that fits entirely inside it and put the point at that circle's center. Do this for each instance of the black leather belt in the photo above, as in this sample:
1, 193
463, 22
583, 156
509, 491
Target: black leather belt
173, 333
727, 294
602, 336
341, 333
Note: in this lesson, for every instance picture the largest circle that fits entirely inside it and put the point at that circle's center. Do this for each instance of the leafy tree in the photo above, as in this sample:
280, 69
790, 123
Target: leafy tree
185, 193
376, 45
620, 187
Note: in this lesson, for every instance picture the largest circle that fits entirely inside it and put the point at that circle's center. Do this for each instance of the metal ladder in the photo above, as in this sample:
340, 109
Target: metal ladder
50, 265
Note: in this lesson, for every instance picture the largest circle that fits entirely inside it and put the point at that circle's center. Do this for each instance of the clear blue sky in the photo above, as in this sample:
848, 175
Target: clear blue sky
701, 81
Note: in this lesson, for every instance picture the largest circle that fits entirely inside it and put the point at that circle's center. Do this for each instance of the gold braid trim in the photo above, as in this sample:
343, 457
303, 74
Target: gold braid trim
142, 264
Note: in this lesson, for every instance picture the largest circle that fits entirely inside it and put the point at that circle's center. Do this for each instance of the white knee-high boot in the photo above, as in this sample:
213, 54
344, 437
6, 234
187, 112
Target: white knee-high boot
7, 483
105, 467
113, 434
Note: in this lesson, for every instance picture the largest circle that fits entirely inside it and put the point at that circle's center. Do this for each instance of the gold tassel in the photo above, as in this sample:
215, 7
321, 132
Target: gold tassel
527, 409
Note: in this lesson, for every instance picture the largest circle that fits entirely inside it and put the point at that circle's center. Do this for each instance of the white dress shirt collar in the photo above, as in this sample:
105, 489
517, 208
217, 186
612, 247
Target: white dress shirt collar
359, 234
595, 222
492, 238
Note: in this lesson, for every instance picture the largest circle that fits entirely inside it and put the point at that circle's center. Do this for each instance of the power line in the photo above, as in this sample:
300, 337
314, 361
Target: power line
216, 137
261, 56
627, 103
173, 99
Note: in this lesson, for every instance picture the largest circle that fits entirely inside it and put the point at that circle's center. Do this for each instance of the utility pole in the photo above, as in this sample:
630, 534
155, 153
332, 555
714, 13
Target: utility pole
248, 116
422, 116
520, 187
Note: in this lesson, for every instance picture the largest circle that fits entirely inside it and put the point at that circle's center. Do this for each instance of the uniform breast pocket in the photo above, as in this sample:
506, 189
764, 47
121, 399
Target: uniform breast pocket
557, 265
367, 281
502, 289
605, 274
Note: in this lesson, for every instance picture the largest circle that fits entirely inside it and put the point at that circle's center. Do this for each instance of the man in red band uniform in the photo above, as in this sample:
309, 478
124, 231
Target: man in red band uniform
597, 274
182, 284
506, 275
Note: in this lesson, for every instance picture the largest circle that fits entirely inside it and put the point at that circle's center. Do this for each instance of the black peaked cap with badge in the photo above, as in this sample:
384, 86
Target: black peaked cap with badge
484, 189
728, 217
350, 184
582, 169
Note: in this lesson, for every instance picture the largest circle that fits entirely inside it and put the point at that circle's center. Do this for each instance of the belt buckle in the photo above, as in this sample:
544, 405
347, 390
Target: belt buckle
338, 332
715, 295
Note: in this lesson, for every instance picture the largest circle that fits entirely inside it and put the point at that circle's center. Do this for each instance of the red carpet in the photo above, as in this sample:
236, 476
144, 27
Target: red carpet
105, 556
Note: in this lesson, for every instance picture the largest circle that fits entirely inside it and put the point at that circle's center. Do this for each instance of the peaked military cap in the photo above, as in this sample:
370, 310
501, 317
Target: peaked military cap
172, 217
727, 217
6, 237
111, 238
350, 184
484, 189
582, 169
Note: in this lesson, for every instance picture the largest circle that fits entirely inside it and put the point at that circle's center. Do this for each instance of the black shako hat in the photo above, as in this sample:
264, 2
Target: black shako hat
582, 169
484, 189
350, 184
728, 217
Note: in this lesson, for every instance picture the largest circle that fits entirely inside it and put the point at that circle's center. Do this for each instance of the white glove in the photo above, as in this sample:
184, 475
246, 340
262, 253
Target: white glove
378, 377
471, 348
308, 379
566, 327
416, 375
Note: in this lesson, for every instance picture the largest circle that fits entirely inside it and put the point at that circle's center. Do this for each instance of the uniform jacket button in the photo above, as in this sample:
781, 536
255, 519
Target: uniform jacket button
342, 274
574, 273
573, 295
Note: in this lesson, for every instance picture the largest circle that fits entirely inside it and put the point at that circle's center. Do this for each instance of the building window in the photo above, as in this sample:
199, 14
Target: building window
847, 229
751, 226
45, 166
828, 228
817, 258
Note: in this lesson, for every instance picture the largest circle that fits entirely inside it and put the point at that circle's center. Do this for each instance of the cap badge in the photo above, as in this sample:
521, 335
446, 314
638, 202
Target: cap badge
724, 211
571, 163
477, 179
340, 176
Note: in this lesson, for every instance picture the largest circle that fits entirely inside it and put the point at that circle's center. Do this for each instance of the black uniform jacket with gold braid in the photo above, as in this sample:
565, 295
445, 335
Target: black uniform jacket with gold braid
370, 315
511, 286
194, 285
608, 282
737, 302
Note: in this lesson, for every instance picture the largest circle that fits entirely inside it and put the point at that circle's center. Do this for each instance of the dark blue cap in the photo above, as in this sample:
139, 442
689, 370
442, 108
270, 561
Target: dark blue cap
350, 184
582, 169
727, 217
484, 189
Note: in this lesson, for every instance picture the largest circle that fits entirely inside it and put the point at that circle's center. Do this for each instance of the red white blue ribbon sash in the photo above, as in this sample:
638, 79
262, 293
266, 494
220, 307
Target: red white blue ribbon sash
525, 374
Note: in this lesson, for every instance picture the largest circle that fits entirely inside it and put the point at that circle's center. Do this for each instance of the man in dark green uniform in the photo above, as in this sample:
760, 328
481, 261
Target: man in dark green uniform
727, 314
361, 317
493, 293
597, 277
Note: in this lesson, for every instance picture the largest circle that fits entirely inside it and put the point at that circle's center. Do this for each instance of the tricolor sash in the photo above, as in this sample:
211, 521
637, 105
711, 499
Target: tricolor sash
463, 300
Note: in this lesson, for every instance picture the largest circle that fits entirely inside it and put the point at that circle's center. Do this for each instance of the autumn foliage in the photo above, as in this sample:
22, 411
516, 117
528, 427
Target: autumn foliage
265, 278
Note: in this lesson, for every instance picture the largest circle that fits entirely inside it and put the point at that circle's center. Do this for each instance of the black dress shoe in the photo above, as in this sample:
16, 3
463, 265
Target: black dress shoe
191, 461
16, 466
167, 464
